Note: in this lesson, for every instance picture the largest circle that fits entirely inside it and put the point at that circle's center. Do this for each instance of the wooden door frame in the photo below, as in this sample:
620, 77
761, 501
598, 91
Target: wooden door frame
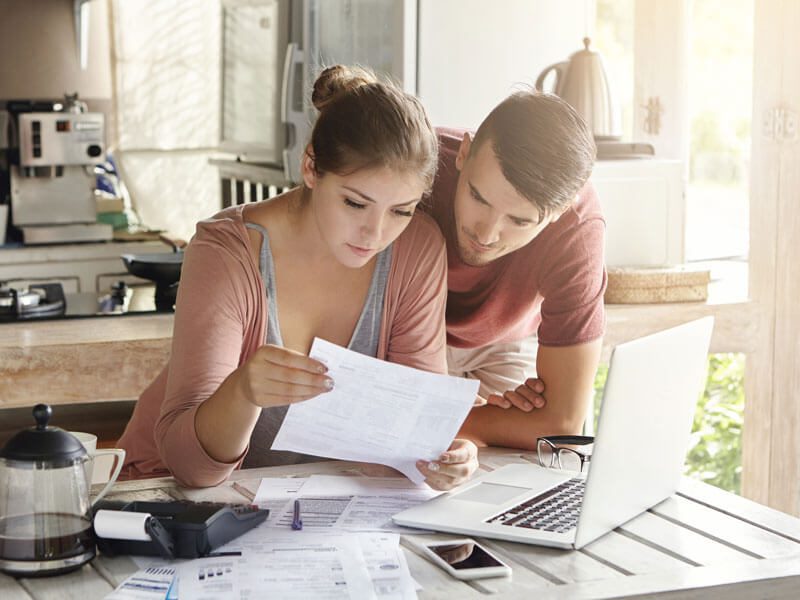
771, 444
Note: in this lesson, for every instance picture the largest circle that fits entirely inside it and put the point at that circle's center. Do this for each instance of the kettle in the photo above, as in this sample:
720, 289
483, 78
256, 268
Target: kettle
581, 81
45, 520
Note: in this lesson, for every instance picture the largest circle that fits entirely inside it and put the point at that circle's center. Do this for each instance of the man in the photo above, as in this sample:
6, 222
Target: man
525, 237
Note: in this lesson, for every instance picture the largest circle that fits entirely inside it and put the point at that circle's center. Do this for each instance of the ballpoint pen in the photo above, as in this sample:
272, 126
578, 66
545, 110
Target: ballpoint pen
297, 522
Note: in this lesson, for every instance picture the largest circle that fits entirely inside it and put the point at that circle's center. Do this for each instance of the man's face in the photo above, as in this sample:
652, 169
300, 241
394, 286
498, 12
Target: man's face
492, 219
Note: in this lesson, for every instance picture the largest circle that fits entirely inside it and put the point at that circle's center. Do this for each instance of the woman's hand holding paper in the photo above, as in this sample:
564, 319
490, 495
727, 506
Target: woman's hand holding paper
455, 466
276, 376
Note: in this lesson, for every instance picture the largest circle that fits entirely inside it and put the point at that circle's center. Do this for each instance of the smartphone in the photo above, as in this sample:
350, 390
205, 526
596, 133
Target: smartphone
464, 559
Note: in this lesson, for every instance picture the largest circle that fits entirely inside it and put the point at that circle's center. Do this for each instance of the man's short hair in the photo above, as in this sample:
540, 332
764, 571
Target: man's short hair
545, 149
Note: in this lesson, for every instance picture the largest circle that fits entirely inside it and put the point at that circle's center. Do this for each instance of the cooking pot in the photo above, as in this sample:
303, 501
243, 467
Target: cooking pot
163, 268
581, 81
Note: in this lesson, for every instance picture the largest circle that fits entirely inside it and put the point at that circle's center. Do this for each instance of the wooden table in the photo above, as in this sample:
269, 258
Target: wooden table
700, 543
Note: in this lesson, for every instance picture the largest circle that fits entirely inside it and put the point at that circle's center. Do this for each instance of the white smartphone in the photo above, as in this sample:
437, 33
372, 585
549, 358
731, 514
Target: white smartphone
464, 559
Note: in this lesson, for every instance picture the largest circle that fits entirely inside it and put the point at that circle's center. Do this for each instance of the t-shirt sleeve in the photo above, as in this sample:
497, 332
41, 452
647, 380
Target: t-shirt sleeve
206, 347
573, 285
417, 337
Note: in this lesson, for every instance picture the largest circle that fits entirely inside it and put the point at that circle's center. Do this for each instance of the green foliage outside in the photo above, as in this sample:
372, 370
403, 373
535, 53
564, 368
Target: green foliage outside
715, 454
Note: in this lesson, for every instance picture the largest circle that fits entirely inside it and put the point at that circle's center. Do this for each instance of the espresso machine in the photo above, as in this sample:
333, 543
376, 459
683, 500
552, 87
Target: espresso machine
51, 175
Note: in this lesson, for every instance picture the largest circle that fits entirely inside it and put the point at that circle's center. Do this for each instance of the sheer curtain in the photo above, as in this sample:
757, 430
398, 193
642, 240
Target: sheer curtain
165, 64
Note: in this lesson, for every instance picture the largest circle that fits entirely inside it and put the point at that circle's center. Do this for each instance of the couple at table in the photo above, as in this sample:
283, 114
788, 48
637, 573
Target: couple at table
478, 255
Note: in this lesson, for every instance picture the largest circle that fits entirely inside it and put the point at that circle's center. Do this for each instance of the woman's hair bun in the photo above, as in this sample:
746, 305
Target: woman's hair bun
339, 79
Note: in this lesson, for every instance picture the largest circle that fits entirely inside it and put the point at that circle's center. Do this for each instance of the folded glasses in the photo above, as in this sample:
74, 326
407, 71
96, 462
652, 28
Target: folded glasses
554, 452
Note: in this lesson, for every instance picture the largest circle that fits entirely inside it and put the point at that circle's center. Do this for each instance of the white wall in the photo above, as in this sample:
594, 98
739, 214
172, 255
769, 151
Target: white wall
167, 103
473, 52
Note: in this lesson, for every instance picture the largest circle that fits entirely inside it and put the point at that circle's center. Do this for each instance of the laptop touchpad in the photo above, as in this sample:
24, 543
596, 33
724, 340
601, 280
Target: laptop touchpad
491, 493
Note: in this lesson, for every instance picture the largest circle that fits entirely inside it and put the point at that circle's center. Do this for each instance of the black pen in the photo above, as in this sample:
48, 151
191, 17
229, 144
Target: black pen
297, 522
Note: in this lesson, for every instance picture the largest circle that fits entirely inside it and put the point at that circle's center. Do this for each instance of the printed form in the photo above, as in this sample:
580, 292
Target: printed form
378, 412
340, 503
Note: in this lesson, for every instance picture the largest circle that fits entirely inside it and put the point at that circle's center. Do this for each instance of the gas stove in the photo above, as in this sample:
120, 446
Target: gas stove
49, 301
34, 302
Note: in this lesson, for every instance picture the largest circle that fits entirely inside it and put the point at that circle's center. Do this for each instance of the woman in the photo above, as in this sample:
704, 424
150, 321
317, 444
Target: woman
342, 257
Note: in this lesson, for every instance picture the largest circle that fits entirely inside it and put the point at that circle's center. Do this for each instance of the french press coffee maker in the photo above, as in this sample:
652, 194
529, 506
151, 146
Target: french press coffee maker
45, 519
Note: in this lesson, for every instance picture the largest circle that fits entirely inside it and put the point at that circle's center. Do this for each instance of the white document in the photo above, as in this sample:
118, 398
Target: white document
210, 579
151, 583
276, 494
378, 412
279, 487
387, 566
337, 502
301, 565
343, 485
281, 563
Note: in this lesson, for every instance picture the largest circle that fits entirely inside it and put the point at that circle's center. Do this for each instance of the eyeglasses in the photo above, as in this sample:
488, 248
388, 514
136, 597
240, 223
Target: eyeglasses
552, 454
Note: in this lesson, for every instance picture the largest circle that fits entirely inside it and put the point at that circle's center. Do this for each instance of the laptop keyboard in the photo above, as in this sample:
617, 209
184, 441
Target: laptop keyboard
555, 510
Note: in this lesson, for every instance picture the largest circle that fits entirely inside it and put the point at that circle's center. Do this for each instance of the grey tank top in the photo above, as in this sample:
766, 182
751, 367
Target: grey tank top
364, 340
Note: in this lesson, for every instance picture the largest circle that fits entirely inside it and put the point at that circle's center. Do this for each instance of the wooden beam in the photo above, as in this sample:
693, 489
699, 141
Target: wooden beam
771, 445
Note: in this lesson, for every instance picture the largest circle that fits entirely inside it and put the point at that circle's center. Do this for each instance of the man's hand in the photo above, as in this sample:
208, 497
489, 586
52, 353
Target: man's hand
525, 397
569, 372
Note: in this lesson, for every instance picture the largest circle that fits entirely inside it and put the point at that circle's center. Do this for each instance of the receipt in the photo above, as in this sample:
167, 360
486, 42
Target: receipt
378, 412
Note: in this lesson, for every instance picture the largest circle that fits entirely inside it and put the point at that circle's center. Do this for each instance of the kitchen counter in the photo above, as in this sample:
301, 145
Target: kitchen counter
81, 360
114, 358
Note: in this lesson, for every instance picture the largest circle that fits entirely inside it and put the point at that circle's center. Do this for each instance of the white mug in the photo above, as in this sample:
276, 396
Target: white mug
89, 441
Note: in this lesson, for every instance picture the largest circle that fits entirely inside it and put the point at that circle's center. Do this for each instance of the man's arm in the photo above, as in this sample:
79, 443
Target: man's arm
568, 374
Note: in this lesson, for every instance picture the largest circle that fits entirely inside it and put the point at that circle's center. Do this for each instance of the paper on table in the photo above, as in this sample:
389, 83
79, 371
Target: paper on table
276, 494
387, 566
344, 503
342, 485
209, 579
279, 487
150, 583
378, 412
300, 564
303, 565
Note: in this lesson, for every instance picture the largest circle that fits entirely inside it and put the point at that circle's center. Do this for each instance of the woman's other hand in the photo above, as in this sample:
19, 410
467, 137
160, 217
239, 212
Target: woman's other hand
525, 397
455, 466
275, 376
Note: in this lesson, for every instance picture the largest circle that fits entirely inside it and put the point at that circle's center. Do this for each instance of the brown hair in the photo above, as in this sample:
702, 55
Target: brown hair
367, 123
545, 149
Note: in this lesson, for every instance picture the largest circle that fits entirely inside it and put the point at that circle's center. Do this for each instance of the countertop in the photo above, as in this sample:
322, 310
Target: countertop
81, 360
98, 359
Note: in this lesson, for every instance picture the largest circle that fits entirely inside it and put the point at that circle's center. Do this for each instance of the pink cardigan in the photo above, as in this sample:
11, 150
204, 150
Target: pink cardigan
221, 320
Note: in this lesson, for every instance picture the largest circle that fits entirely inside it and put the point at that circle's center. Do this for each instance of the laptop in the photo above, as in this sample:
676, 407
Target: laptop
642, 437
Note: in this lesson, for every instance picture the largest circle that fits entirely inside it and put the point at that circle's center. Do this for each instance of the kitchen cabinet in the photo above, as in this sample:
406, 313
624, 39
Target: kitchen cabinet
78, 267
644, 205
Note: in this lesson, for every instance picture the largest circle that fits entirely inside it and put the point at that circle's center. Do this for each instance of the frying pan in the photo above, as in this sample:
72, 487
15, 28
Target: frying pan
163, 267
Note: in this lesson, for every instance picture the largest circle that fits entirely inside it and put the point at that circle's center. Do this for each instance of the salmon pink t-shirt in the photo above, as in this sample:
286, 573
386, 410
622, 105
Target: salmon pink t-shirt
221, 321
551, 288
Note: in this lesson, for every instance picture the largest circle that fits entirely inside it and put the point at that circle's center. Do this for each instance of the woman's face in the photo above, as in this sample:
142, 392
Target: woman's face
360, 214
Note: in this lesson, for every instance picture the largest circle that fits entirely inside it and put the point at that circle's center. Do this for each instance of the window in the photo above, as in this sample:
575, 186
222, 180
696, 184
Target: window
720, 107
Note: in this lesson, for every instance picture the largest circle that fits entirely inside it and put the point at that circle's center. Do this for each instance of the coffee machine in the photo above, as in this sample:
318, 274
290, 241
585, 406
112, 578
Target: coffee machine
54, 148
